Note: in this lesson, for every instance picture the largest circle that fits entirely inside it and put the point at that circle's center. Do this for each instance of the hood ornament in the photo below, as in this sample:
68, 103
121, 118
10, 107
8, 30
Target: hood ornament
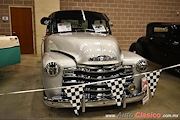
102, 58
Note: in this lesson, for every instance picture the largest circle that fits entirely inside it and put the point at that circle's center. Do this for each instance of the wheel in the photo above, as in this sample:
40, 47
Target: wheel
136, 48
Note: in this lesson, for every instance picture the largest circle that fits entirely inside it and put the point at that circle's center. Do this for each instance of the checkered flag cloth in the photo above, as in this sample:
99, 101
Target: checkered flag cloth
75, 93
117, 89
153, 78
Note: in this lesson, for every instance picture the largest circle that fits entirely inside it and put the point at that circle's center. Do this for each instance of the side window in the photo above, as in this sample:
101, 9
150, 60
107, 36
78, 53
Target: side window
161, 32
160, 35
48, 29
160, 29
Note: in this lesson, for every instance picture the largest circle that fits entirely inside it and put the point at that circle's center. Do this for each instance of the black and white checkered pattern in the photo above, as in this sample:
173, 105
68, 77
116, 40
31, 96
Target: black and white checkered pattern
75, 93
117, 89
153, 78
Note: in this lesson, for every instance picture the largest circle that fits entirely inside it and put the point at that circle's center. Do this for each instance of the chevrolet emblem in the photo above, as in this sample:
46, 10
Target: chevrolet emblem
103, 58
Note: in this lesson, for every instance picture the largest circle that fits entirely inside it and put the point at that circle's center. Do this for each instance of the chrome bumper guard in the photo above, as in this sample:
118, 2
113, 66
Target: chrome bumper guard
102, 103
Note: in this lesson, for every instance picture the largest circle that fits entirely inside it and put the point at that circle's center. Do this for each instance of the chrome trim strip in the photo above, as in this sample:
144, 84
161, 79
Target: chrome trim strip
97, 67
98, 79
102, 70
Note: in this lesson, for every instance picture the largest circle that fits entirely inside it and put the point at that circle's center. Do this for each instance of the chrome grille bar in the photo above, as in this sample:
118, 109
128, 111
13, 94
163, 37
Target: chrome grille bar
86, 74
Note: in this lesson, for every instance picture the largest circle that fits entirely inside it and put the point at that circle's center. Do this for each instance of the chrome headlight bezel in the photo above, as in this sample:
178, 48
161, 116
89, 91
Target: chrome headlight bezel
52, 69
141, 66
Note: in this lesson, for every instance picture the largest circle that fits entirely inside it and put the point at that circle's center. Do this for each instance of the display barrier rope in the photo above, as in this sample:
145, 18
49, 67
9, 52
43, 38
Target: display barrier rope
40, 90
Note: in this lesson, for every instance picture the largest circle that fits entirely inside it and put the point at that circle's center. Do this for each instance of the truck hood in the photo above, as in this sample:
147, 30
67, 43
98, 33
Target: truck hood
86, 48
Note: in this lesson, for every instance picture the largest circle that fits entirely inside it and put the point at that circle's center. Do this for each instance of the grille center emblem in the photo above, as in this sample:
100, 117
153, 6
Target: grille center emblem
102, 58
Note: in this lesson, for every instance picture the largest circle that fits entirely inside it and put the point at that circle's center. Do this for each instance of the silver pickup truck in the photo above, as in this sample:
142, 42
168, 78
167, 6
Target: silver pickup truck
79, 48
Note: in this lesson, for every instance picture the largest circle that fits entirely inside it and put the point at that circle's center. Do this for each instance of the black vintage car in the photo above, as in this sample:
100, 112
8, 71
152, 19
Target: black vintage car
161, 44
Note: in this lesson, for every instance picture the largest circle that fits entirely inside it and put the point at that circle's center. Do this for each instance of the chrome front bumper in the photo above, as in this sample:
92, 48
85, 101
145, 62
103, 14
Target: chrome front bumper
84, 104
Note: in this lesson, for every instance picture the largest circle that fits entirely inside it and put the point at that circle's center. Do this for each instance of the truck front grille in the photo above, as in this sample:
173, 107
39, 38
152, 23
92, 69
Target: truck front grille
88, 74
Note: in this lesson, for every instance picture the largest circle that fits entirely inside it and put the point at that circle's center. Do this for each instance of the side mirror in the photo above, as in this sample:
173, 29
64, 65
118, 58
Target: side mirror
45, 21
110, 23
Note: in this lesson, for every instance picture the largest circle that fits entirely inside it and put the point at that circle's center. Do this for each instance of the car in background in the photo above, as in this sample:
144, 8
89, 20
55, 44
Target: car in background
9, 50
79, 48
161, 44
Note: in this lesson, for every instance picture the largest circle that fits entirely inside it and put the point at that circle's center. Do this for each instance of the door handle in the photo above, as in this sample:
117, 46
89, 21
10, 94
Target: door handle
14, 32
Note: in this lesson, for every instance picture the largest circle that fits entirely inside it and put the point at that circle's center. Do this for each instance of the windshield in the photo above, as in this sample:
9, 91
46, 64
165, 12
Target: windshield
79, 21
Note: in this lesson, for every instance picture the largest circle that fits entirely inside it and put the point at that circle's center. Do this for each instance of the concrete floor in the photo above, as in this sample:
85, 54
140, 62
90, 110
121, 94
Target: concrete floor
27, 75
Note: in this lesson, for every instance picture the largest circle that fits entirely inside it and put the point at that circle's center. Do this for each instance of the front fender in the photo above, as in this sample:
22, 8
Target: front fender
130, 58
54, 81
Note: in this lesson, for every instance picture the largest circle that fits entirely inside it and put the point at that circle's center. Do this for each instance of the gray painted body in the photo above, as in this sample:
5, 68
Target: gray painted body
81, 46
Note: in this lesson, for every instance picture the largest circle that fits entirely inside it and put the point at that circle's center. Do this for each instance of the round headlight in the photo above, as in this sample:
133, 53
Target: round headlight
52, 69
141, 66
